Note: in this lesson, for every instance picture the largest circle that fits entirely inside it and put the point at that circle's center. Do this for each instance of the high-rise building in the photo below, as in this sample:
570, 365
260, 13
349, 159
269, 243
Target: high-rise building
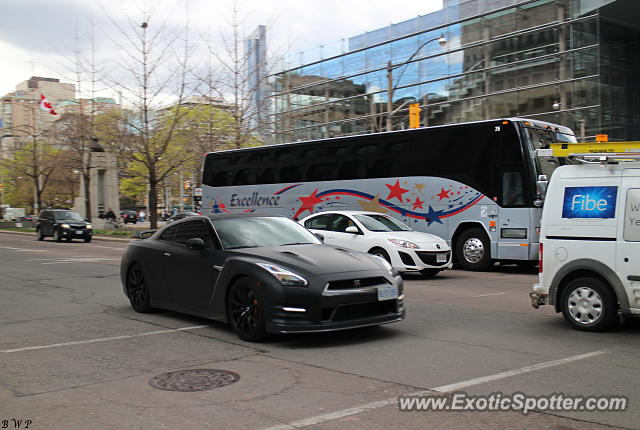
573, 62
257, 87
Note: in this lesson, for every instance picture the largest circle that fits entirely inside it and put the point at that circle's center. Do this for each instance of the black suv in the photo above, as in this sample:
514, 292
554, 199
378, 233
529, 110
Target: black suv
129, 216
62, 223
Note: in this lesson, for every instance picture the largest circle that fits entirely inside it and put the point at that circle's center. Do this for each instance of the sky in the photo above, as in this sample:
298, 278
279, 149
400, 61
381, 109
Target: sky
39, 37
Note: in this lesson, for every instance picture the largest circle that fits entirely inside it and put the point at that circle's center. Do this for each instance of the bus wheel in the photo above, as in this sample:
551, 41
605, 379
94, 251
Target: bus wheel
473, 250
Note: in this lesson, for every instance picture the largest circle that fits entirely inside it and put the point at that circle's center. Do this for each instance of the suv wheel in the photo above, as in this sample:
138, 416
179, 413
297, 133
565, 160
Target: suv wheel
39, 234
56, 235
588, 304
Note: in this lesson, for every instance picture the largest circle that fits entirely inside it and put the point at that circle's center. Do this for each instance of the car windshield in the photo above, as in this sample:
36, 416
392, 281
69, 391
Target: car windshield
261, 231
67, 216
381, 223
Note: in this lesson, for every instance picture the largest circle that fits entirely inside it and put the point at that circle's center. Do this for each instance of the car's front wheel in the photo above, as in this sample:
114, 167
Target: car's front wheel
57, 236
39, 234
589, 304
138, 289
379, 252
245, 311
87, 239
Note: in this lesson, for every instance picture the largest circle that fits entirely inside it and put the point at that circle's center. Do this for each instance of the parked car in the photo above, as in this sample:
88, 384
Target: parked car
62, 224
129, 216
261, 274
182, 215
406, 249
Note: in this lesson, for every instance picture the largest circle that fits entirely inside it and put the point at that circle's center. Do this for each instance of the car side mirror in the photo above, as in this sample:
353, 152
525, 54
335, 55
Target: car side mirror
351, 229
319, 236
195, 244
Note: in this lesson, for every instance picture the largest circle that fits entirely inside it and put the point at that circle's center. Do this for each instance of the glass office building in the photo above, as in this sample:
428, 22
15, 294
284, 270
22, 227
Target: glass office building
573, 62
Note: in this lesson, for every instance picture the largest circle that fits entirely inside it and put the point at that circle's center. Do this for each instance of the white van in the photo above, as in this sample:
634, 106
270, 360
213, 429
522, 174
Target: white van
590, 241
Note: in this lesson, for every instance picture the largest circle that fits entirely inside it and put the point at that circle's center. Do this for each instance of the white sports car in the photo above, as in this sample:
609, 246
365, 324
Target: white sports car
407, 250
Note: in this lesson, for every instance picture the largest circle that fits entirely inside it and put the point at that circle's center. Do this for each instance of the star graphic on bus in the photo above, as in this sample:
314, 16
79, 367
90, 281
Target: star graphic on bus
433, 216
373, 205
419, 187
308, 203
396, 191
418, 204
443, 194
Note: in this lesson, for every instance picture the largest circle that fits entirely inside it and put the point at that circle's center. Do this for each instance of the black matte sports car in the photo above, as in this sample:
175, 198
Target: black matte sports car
261, 274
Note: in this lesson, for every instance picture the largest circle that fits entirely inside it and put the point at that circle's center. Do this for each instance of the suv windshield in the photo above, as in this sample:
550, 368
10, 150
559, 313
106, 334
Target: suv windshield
381, 223
67, 216
252, 232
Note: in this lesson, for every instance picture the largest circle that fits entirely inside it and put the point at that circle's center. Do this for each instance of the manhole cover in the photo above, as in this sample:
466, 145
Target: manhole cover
193, 380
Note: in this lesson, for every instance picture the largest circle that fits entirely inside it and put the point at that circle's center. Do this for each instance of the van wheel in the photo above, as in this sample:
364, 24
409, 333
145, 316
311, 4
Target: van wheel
588, 304
473, 250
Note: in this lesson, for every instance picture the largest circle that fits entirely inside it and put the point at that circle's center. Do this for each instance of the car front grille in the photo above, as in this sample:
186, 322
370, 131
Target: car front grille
359, 311
77, 227
350, 284
429, 257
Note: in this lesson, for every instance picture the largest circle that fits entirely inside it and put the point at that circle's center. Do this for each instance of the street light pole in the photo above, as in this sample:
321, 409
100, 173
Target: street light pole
391, 87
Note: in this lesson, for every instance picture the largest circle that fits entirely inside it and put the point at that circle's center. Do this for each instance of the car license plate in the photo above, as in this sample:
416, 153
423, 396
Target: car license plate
441, 257
78, 232
387, 293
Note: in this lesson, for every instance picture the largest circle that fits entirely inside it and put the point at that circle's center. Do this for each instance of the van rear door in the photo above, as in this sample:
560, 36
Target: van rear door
628, 252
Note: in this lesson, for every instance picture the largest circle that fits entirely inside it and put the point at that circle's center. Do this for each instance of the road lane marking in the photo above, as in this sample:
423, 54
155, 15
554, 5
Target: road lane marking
441, 389
494, 294
103, 339
67, 260
109, 247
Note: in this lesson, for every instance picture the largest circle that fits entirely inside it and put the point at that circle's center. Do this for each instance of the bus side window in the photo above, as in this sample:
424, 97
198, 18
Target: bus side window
512, 190
352, 169
321, 172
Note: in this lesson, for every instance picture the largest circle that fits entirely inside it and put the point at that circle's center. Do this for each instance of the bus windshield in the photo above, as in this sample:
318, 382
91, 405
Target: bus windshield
541, 138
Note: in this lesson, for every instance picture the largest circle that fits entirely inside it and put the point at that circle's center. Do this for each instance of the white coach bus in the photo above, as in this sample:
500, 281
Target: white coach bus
478, 185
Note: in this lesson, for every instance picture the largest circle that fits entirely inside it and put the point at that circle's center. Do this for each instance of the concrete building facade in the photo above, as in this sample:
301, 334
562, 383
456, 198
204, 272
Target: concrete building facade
573, 62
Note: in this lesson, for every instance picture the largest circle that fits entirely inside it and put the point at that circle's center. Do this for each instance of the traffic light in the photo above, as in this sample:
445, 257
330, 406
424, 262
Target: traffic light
414, 115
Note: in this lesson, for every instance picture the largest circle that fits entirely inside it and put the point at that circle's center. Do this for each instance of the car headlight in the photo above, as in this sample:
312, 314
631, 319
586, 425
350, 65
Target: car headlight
65, 226
286, 278
386, 265
403, 243
89, 226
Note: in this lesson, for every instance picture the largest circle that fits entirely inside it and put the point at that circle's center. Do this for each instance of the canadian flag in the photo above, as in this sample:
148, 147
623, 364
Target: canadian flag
46, 106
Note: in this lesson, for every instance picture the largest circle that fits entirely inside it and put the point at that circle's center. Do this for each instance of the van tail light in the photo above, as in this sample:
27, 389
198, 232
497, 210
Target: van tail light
540, 259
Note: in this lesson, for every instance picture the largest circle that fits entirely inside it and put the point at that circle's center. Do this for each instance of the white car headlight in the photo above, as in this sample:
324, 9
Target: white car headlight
89, 226
403, 243
65, 226
286, 278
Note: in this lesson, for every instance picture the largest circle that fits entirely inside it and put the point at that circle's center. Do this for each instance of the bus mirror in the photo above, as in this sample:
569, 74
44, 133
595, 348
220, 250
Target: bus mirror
541, 186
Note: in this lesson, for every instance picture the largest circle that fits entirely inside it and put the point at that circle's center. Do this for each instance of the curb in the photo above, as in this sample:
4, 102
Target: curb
95, 237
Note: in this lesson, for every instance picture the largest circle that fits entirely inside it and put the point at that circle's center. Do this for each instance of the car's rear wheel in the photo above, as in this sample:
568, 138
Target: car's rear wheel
245, 311
39, 234
138, 289
379, 252
57, 236
588, 304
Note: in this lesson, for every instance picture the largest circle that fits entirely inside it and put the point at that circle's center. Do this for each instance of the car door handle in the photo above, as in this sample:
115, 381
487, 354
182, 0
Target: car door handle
167, 254
633, 278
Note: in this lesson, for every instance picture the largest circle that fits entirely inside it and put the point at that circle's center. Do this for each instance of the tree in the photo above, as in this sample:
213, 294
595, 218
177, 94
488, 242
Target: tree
154, 65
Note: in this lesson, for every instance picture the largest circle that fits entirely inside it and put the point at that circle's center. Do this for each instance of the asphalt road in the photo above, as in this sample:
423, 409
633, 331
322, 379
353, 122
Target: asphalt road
74, 355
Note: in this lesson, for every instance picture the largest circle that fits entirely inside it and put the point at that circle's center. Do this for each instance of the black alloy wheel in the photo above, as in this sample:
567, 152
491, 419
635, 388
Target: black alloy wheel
69, 239
39, 234
87, 239
138, 290
56, 235
245, 311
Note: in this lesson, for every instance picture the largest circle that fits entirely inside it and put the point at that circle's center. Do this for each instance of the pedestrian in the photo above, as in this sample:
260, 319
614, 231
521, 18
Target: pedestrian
141, 215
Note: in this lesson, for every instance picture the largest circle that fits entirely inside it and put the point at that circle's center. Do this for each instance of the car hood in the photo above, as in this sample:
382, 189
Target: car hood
315, 259
424, 240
